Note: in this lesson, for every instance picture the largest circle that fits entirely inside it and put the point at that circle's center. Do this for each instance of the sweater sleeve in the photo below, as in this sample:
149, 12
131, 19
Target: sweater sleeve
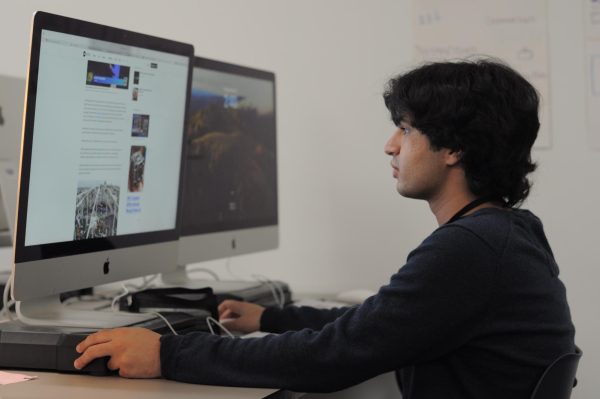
431, 306
293, 318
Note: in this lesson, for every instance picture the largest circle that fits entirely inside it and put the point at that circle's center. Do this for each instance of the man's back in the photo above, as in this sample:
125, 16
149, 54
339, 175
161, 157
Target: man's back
523, 326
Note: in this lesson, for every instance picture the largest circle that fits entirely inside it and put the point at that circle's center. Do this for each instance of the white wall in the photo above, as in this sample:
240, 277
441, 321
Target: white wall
342, 224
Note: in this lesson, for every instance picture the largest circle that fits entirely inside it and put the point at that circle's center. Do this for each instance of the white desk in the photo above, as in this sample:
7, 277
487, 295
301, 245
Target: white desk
61, 386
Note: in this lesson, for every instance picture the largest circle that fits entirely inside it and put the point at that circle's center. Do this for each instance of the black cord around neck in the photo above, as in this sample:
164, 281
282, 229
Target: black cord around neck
471, 205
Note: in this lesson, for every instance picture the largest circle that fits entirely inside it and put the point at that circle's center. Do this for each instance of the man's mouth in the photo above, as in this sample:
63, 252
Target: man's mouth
394, 169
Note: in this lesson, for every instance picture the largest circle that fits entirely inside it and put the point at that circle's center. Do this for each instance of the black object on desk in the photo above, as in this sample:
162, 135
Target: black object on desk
198, 301
53, 348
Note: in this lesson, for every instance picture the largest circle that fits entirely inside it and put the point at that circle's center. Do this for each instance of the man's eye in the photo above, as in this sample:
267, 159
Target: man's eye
405, 130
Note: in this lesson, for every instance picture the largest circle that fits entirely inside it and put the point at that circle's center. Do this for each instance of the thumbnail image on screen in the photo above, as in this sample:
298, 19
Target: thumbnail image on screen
107, 75
231, 178
96, 210
137, 162
140, 125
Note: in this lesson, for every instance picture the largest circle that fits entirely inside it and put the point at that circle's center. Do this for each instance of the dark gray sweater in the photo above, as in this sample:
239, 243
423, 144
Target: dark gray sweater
477, 311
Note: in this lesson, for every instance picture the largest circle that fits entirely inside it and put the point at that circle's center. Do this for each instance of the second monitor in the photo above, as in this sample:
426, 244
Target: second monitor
230, 185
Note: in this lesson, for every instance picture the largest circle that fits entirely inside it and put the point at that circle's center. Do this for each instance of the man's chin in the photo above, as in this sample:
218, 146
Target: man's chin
406, 193
403, 192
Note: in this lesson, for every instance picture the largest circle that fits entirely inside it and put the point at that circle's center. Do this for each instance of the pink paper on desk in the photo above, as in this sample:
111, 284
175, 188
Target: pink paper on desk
11, 378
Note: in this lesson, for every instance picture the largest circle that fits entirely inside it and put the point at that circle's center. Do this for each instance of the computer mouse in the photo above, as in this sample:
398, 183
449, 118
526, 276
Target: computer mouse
66, 355
98, 367
355, 296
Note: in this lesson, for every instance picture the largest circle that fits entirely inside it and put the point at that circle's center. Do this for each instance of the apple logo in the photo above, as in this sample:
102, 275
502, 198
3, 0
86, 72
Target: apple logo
106, 266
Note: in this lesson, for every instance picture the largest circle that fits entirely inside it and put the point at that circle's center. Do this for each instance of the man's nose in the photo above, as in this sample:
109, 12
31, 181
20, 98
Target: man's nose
391, 147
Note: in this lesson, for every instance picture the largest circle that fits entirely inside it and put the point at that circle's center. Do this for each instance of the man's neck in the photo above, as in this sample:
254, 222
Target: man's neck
445, 208
453, 196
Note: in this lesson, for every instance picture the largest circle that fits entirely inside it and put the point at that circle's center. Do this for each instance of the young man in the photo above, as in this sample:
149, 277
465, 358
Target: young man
477, 311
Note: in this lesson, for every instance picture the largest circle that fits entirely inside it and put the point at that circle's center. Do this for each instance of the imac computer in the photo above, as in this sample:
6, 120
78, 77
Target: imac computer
229, 204
101, 163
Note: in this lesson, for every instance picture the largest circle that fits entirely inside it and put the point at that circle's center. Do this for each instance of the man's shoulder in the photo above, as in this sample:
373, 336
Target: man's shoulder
485, 220
489, 227
493, 226
488, 230
473, 244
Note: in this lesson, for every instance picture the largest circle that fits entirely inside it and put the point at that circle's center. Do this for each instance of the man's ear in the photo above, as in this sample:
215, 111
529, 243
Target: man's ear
453, 157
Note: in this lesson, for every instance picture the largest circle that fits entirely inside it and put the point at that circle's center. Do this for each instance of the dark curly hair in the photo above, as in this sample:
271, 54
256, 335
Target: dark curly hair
482, 109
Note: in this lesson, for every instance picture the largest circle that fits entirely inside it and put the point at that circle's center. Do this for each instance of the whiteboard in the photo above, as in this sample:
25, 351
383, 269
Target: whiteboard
515, 31
591, 20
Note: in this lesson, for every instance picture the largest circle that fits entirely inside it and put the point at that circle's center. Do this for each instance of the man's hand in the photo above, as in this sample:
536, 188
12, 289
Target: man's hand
135, 352
240, 316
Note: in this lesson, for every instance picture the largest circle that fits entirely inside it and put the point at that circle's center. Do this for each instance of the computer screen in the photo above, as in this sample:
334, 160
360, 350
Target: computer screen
230, 185
102, 156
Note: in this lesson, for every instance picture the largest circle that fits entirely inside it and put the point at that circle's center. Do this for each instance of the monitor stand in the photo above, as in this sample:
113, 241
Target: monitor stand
49, 311
181, 278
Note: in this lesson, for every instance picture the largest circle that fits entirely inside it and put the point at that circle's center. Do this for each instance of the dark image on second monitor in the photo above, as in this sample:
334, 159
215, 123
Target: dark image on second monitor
230, 177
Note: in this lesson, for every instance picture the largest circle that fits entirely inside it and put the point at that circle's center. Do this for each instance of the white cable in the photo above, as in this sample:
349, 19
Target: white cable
228, 267
166, 322
145, 282
276, 291
118, 297
204, 270
149, 279
6, 302
210, 320
271, 288
125, 293
87, 298
281, 294
210, 327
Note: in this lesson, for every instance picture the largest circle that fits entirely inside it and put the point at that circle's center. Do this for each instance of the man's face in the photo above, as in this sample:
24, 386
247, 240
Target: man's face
420, 171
